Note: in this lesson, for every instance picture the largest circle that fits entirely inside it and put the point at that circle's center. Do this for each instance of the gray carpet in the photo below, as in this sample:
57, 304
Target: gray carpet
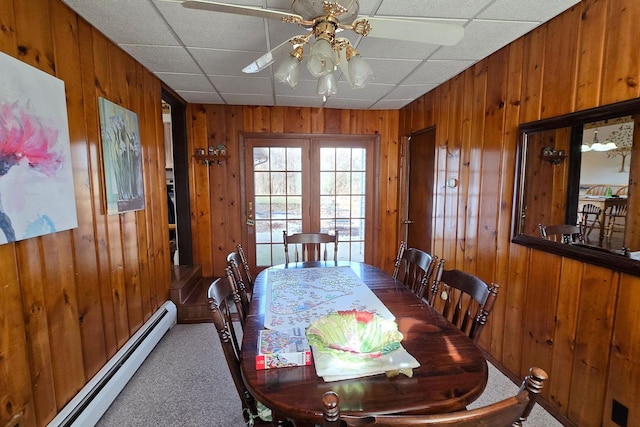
185, 382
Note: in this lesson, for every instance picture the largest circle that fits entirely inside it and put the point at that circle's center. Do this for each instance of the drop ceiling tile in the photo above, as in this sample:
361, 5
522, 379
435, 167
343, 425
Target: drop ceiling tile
391, 104
200, 97
397, 49
201, 28
125, 21
158, 59
299, 101
410, 91
239, 85
348, 103
433, 8
391, 71
482, 38
538, 10
182, 81
436, 72
224, 62
248, 99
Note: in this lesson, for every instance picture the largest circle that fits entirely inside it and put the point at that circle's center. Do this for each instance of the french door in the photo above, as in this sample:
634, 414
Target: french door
296, 184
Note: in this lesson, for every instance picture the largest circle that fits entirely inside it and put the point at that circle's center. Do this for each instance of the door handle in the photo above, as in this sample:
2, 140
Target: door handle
250, 214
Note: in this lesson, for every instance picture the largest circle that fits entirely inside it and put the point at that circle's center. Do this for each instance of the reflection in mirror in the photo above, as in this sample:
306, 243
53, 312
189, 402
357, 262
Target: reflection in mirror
580, 170
604, 181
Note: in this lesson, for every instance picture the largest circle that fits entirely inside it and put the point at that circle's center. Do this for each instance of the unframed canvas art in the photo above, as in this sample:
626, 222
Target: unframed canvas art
36, 177
122, 153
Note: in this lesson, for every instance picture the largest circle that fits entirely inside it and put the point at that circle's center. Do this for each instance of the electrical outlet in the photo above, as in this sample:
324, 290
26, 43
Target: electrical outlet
619, 413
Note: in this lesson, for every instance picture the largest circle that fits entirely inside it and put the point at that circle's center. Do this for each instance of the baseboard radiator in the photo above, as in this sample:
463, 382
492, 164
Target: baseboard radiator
86, 408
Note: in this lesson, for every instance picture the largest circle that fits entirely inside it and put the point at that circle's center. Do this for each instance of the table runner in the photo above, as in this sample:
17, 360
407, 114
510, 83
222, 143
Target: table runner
298, 296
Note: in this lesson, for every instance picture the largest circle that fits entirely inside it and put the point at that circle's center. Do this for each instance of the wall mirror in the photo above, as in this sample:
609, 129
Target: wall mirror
579, 172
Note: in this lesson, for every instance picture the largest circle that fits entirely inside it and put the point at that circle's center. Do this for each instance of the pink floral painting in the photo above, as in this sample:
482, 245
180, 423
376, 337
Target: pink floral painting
36, 179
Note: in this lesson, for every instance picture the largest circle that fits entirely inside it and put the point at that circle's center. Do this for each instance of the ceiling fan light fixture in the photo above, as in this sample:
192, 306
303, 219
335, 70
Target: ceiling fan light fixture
360, 73
327, 85
321, 58
289, 69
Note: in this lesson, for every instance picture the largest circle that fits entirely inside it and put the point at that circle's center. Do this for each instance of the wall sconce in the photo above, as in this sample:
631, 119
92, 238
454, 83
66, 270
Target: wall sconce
553, 156
212, 156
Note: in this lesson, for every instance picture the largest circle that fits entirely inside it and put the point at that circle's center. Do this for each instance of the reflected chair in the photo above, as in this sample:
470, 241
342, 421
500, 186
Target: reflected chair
512, 411
597, 190
616, 219
310, 246
622, 191
463, 299
563, 233
589, 219
415, 268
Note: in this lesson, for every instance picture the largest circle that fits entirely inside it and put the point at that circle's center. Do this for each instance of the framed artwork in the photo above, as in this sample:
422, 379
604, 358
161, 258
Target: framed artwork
122, 153
36, 176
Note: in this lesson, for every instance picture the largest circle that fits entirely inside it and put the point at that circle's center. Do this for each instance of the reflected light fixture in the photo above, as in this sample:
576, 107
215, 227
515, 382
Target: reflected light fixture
596, 145
326, 54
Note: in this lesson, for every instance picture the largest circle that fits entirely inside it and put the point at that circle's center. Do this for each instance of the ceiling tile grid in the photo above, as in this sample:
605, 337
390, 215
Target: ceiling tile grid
200, 54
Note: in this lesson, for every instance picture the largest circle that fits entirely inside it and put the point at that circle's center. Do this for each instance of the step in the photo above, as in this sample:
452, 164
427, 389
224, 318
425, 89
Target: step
195, 308
183, 279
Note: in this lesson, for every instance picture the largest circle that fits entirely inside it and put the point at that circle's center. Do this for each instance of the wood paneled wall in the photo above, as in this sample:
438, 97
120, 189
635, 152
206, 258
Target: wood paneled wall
579, 322
70, 300
216, 203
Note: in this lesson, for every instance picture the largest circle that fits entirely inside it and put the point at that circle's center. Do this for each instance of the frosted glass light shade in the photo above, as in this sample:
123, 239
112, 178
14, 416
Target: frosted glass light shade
608, 146
327, 85
359, 72
288, 71
320, 62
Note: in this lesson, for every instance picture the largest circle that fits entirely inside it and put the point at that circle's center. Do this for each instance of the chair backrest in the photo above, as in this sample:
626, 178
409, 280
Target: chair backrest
241, 296
245, 266
512, 411
589, 218
597, 190
414, 268
219, 297
463, 299
310, 246
622, 191
563, 233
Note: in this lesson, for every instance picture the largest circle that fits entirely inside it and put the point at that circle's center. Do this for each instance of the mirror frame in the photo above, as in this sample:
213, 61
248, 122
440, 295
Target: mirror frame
590, 254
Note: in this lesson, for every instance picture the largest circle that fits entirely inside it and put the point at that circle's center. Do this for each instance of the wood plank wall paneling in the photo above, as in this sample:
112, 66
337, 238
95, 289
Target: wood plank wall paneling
68, 300
575, 320
217, 218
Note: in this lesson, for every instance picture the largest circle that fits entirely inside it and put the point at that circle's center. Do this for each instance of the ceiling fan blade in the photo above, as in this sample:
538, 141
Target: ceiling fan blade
267, 59
237, 9
344, 66
415, 31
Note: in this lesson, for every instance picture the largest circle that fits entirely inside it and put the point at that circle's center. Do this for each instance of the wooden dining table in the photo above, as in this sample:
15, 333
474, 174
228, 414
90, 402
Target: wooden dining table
452, 373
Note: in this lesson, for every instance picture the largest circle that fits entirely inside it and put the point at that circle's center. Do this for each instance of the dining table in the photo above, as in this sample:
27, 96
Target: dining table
452, 370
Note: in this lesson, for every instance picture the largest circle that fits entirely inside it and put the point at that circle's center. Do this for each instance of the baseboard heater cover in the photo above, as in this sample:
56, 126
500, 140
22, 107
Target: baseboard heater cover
88, 406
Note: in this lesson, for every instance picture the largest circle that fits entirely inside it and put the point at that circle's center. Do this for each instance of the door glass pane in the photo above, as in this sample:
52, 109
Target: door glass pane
278, 199
342, 198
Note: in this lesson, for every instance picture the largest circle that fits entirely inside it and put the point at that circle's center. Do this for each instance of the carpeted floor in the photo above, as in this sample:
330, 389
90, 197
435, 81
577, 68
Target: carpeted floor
185, 382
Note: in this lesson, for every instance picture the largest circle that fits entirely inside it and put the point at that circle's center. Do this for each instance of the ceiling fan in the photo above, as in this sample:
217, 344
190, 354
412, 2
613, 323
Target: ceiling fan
322, 19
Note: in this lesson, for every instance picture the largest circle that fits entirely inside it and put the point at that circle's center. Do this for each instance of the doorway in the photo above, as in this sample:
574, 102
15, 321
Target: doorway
309, 184
420, 163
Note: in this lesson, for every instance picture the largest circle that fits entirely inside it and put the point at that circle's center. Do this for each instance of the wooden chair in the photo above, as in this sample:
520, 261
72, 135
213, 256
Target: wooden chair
563, 233
219, 296
309, 246
241, 297
463, 299
589, 219
622, 191
245, 265
512, 411
242, 278
416, 268
597, 190
616, 216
